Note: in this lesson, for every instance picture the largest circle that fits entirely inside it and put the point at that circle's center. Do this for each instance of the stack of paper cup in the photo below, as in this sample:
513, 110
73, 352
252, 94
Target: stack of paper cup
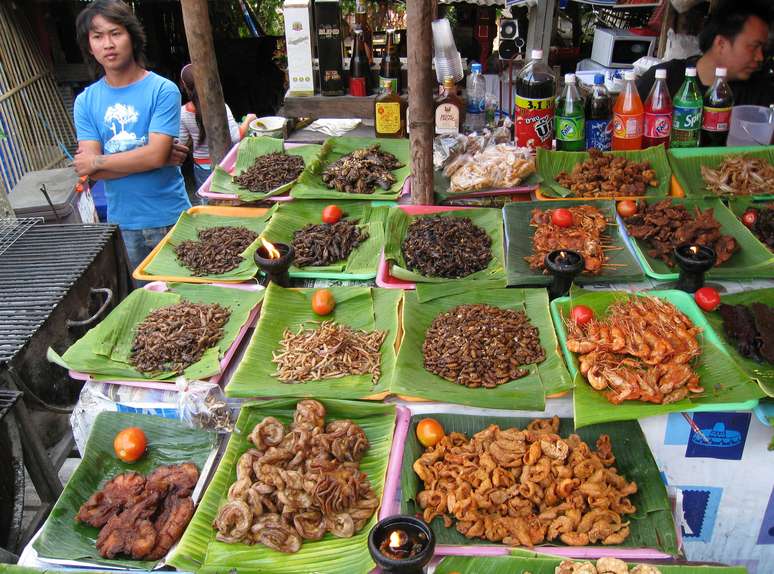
447, 60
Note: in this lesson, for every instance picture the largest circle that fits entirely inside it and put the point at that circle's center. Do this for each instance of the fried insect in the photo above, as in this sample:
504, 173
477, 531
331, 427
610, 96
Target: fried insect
641, 351
216, 251
327, 243
586, 236
270, 171
299, 483
362, 171
525, 487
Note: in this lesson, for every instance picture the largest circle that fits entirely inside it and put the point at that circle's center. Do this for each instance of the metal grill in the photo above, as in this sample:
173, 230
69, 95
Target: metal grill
37, 271
12, 229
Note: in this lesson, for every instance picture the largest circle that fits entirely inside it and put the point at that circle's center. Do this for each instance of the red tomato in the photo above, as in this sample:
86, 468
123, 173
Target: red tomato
429, 432
130, 444
562, 217
331, 214
707, 298
749, 217
581, 314
323, 302
626, 208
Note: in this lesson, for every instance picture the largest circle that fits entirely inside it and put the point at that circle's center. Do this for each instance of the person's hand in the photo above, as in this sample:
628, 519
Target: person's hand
85, 162
177, 154
249, 118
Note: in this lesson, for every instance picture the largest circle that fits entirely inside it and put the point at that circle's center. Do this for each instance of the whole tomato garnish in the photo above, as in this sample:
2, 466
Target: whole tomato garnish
581, 314
562, 217
130, 444
331, 214
707, 298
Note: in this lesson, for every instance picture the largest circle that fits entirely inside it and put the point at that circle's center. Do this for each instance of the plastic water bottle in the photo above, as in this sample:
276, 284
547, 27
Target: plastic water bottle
570, 118
475, 95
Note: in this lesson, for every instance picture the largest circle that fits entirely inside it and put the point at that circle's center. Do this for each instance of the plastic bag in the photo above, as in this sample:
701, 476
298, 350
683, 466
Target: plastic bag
680, 46
203, 405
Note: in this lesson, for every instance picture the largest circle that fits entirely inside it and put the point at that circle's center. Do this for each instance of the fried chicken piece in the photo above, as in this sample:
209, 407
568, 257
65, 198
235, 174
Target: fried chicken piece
118, 493
170, 524
131, 532
179, 479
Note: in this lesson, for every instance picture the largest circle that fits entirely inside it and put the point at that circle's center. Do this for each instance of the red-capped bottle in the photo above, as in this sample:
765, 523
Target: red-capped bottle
658, 113
716, 117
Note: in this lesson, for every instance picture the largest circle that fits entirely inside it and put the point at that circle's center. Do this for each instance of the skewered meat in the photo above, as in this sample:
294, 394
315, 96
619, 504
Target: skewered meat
666, 225
362, 170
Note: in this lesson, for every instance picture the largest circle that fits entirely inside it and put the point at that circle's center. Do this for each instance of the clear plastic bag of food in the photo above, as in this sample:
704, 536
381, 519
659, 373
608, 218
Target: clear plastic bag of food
203, 405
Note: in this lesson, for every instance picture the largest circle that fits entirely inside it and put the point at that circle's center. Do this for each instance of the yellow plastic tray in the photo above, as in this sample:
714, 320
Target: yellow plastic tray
140, 273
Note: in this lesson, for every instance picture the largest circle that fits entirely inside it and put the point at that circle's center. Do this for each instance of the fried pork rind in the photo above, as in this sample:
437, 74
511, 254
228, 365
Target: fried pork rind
526, 487
299, 483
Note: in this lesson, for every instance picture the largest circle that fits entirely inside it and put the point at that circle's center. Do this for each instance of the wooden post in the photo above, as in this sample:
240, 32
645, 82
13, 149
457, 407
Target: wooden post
541, 24
6, 212
201, 47
420, 85
669, 17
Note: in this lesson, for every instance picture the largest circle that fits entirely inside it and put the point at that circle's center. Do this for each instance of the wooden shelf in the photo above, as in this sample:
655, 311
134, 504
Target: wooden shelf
329, 106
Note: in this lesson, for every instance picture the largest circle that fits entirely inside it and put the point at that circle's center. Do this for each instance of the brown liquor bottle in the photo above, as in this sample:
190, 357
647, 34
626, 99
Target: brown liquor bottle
449, 109
359, 70
389, 113
390, 66
361, 20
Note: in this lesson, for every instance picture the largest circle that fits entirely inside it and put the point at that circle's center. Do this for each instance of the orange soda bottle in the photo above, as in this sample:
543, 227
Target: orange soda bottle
628, 117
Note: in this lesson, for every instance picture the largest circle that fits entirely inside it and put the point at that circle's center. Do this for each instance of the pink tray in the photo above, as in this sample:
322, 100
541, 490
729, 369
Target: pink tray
383, 277
391, 506
224, 362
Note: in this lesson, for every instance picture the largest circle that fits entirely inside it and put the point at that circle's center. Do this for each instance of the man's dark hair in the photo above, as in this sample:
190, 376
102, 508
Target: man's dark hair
114, 11
729, 19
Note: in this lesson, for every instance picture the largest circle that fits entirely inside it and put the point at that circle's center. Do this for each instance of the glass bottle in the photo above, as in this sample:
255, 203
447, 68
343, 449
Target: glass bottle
390, 67
389, 112
359, 70
361, 21
449, 109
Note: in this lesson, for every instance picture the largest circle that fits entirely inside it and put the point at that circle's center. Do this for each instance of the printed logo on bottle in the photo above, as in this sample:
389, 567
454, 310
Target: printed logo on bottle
686, 118
716, 119
599, 134
658, 125
534, 122
447, 119
387, 118
569, 129
626, 126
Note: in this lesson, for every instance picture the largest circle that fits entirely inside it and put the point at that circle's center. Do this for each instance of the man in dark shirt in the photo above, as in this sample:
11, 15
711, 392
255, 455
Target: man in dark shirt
734, 38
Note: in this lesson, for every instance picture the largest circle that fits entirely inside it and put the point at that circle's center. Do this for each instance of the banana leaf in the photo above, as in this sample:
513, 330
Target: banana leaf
169, 442
761, 372
686, 165
103, 352
527, 393
518, 242
738, 205
166, 264
551, 163
310, 184
358, 307
490, 220
545, 564
752, 261
727, 386
651, 526
364, 259
249, 149
198, 551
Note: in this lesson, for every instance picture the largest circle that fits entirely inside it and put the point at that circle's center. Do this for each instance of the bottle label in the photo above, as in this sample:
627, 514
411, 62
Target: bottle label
599, 134
393, 82
447, 119
657, 126
360, 6
387, 118
534, 122
685, 118
627, 126
570, 128
716, 119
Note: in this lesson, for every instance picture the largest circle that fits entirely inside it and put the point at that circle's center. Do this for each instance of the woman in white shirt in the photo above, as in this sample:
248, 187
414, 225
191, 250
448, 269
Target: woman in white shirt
192, 131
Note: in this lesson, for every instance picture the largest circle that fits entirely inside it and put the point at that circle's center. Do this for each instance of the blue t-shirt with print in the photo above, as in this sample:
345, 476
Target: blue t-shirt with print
122, 119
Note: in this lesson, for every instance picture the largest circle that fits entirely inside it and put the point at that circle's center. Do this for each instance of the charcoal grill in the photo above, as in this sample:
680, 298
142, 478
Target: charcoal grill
56, 281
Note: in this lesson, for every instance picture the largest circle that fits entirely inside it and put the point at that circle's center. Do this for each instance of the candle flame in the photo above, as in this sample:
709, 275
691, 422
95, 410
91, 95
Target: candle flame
395, 540
694, 249
270, 249
562, 254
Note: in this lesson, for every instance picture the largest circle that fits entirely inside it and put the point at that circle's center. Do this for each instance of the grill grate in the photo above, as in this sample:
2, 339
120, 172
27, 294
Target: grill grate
12, 229
8, 399
36, 273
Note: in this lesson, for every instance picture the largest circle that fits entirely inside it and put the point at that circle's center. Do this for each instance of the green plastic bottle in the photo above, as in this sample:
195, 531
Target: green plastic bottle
570, 118
686, 119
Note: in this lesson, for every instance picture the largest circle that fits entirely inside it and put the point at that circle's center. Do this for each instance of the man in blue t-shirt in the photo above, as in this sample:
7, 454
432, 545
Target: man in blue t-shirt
126, 123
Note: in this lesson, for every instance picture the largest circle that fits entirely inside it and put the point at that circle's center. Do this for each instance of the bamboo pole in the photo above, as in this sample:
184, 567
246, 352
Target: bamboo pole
420, 84
198, 33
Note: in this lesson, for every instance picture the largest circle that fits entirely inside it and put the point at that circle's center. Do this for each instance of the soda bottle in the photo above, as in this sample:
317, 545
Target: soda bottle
475, 95
599, 115
686, 118
628, 117
716, 118
570, 128
535, 91
658, 113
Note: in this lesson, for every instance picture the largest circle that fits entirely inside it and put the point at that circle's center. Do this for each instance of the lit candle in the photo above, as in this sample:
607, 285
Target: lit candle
274, 259
402, 544
564, 265
694, 261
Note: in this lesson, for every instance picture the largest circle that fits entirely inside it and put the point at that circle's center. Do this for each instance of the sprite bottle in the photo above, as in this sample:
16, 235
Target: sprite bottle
570, 118
686, 119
